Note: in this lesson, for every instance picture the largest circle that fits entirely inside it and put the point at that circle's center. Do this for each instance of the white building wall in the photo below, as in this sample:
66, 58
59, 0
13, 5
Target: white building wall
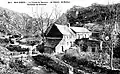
83, 35
65, 43
68, 40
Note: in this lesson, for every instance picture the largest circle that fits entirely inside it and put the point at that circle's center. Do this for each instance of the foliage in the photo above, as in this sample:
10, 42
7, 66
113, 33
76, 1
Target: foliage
19, 23
94, 13
116, 63
104, 18
86, 65
16, 48
18, 66
62, 19
52, 63
116, 49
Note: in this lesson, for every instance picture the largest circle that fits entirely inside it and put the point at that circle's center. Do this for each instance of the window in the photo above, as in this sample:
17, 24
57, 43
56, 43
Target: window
84, 47
93, 49
78, 36
85, 35
71, 43
62, 49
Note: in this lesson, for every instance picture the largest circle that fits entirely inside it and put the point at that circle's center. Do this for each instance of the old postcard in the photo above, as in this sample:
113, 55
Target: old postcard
59, 37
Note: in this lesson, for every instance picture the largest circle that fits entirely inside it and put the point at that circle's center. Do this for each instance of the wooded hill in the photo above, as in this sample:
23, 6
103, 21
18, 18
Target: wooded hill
20, 23
102, 17
11, 21
94, 13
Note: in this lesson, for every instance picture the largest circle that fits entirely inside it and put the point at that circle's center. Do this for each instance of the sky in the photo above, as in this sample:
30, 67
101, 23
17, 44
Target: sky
48, 8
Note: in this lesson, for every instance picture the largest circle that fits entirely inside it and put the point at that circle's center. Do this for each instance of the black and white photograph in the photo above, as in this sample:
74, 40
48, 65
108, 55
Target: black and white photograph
59, 37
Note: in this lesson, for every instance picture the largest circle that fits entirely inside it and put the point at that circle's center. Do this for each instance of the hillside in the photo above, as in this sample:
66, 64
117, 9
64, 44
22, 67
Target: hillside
19, 23
98, 18
12, 22
95, 13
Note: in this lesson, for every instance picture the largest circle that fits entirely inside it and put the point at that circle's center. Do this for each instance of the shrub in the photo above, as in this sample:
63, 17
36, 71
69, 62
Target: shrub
18, 66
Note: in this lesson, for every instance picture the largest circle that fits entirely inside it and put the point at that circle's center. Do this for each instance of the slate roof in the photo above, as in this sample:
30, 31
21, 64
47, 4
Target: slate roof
64, 29
80, 29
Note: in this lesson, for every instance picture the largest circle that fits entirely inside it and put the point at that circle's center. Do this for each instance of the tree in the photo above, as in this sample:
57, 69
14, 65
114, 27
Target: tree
45, 19
62, 19
113, 31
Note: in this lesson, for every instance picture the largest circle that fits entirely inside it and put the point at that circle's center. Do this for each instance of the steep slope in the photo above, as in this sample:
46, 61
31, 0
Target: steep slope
12, 22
